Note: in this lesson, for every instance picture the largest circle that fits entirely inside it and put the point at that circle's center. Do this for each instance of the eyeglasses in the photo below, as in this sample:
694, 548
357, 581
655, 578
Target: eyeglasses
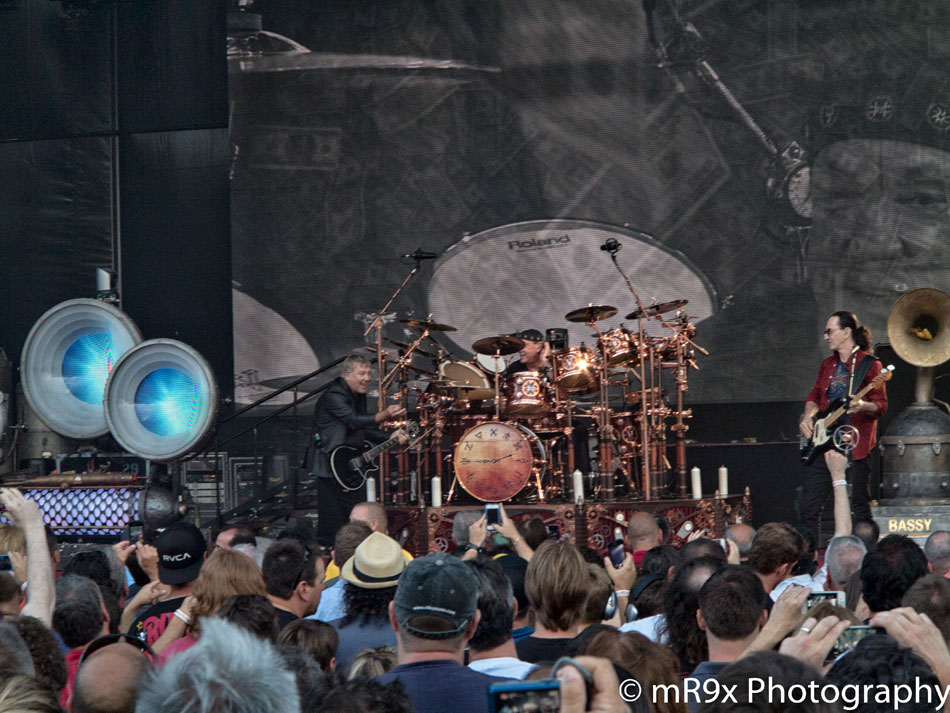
108, 639
827, 332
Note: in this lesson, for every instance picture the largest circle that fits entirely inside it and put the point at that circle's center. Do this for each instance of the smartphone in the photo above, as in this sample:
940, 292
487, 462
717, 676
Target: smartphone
525, 696
685, 529
133, 531
5, 564
850, 637
722, 543
554, 531
617, 554
815, 598
492, 513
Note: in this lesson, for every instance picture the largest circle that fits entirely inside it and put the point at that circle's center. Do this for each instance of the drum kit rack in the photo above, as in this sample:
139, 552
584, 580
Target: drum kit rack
516, 436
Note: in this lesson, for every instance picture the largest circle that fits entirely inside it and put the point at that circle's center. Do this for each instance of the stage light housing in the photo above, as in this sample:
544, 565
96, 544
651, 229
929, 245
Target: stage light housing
161, 400
66, 361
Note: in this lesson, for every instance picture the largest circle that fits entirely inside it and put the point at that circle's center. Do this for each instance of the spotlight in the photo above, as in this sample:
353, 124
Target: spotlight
66, 360
161, 400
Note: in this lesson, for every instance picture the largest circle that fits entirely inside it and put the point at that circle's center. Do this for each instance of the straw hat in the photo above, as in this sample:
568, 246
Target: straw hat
377, 563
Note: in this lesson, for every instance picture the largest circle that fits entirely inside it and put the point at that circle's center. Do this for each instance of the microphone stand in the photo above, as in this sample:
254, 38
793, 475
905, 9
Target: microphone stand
645, 437
381, 379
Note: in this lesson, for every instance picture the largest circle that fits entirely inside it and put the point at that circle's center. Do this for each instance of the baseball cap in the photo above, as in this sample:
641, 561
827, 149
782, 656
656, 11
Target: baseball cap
436, 597
181, 550
530, 335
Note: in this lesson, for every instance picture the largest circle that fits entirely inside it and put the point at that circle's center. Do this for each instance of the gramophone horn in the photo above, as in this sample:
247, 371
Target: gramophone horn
918, 327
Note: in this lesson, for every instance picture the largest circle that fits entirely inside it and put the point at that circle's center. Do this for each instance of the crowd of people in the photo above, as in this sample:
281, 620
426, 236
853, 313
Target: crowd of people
261, 622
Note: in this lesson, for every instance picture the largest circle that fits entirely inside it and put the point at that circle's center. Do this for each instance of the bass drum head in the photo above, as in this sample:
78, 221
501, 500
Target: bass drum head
494, 461
529, 275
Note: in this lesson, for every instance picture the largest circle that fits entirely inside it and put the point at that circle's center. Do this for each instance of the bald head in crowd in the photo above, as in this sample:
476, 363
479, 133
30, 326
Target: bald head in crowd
108, 680
373, 514
937, 552
643, 532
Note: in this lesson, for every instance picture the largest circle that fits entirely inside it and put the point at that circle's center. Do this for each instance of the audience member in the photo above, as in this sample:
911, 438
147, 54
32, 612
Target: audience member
731, 612
930, 595
294, 580
643, 534
370, 663
434, 615
703, 547
937, 552
374, 515
534, 531
867, 531
842, 559
602, 600
94, 564
780, 670
491, 648
775, 551
108, 680
224, 537
654, 664
49, 664
181, 550
42, 555
680, 628
371, 575
345, 542
665, 529
11, 596
556, 585
462, 521
889, 570
742, 534
79, 617
224, 574
228, 671
14, 653
22, 694
317, 638
253, 613
660, 560
362, 695
306, 672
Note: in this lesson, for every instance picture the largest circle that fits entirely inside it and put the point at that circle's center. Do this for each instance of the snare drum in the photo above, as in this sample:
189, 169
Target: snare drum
494, 461
577, 369
526, 394
619, 346
466, 381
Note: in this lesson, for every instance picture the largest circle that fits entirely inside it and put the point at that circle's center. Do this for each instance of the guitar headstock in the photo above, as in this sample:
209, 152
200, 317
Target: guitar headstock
885, 374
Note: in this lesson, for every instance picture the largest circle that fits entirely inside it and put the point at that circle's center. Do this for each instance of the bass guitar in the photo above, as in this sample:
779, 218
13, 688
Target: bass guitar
352, 466
822, 435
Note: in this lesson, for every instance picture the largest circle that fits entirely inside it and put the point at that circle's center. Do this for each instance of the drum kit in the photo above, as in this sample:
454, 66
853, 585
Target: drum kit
509, 434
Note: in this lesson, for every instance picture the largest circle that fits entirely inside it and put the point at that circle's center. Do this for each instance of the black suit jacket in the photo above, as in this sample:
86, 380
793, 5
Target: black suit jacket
339, 418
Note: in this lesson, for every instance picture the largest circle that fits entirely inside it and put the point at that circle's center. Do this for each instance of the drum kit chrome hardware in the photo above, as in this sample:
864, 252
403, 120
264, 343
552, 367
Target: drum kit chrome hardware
510, 435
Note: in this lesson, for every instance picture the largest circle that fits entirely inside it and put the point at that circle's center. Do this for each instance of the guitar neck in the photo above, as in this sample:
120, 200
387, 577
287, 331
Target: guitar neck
836, 414
386, 445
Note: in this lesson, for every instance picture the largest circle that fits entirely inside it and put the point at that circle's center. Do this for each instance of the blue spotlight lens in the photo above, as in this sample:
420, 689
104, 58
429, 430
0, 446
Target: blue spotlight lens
166, 402
86, 366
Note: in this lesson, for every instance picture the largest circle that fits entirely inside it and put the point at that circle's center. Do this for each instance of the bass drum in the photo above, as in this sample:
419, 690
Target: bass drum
493, 461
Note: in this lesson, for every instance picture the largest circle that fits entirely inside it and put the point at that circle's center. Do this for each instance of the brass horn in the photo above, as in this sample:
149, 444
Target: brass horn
918, 329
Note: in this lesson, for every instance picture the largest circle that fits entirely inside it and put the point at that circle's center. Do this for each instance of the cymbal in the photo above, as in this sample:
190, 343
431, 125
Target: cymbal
428, 324
591, 313
417, 350
656, 309
501, 345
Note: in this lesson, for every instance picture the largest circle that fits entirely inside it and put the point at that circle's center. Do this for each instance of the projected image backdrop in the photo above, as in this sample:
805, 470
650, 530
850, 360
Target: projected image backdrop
363, 131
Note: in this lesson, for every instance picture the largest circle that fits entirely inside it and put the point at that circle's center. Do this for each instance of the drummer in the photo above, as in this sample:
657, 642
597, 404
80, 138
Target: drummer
535, 355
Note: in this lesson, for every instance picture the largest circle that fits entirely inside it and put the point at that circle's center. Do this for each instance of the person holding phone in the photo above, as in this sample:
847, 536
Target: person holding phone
479, 531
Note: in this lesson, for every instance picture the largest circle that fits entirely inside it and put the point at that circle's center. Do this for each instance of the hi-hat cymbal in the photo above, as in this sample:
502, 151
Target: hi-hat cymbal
428, 324
500, 345
591, 313
656, 309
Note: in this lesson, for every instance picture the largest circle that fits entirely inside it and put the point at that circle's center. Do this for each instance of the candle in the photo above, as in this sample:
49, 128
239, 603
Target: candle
371, 490
578, 481
723, 481
436, 491
697, 482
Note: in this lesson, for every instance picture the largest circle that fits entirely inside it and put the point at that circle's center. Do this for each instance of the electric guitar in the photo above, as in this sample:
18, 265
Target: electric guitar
351, 466
822, 436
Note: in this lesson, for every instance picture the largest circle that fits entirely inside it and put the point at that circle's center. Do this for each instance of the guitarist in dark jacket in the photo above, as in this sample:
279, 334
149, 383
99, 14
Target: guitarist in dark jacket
340, 419
850, 345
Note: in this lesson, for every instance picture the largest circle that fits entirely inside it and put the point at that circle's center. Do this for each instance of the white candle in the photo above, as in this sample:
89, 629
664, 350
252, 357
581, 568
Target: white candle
371, 490
436, 491
723, 481
697, 482
578, 481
